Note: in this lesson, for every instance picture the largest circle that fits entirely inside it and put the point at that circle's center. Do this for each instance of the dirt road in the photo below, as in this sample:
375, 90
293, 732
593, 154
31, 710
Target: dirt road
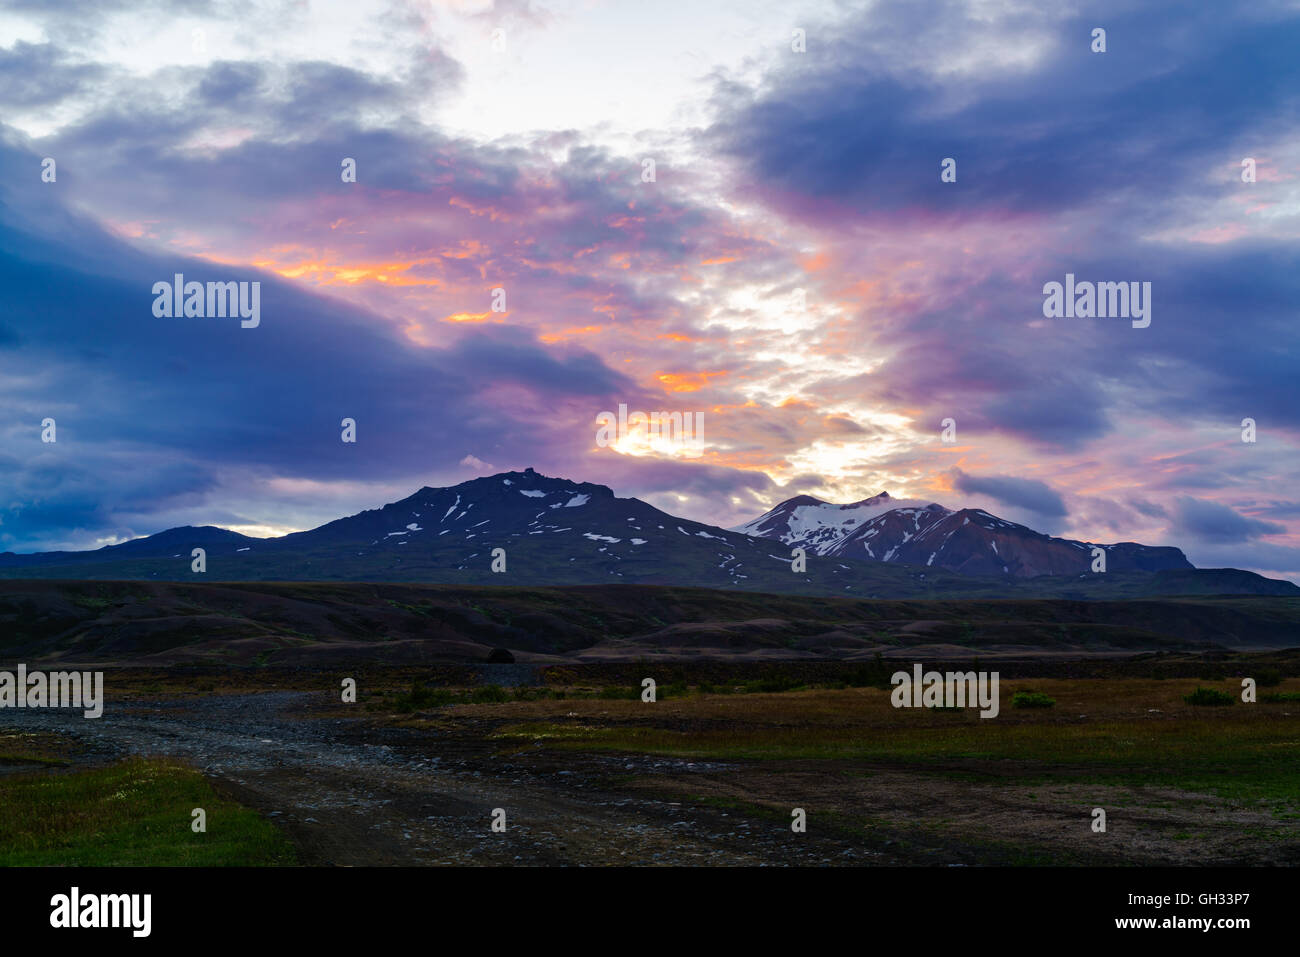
348, 793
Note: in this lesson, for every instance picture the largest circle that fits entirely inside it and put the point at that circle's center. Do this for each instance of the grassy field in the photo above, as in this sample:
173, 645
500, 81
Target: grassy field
36, 748
1182, 783
136, 812
1119, 730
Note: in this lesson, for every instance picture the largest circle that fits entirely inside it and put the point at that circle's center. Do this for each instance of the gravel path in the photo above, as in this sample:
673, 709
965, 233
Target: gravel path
351, 794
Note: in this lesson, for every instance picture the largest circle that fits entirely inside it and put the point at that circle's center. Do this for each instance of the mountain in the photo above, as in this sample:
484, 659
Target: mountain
553, 531
174, 542
558, 532
968, 541
807, 522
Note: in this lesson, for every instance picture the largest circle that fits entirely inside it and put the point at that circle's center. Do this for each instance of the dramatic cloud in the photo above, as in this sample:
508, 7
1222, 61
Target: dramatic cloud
1218, 524
795, 269
1021, 493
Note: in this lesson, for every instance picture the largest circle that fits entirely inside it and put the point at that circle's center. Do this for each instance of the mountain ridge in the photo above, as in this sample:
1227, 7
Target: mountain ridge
968, 540
555, 531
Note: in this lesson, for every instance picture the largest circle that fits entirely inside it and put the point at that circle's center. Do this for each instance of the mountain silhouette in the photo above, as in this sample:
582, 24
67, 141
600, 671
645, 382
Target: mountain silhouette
553, 531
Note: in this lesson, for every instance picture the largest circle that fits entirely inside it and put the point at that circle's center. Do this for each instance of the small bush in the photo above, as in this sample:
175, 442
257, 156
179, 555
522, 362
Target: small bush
618, 693
1268, 677
874, 675
1210, 697
1280, 697
489, 694
772, 685
1031, 699
420, 697
525, 693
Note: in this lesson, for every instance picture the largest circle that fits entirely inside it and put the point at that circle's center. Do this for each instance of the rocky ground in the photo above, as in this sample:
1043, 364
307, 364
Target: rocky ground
352, 794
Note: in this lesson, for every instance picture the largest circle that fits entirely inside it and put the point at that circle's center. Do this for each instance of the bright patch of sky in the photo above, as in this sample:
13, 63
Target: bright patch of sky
561, 65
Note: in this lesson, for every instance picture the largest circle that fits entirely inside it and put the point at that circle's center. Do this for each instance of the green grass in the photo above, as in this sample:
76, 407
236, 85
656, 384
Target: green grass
13, 757
1209, 697
1236, 761
133, 813
1031, 699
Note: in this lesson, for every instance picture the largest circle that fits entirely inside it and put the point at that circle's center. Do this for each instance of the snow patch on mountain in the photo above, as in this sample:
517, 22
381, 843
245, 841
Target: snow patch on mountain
821, 526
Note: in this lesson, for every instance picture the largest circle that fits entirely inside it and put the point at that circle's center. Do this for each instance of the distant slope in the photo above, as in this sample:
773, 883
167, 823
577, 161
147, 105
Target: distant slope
969, 541
315, 624
973, 542
557, 532
553, 532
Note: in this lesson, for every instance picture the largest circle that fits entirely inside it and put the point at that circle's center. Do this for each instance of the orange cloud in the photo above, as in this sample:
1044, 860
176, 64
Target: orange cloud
473, 317
467, 248
327, 273
569, 333
488, 211
815, 263
687, 381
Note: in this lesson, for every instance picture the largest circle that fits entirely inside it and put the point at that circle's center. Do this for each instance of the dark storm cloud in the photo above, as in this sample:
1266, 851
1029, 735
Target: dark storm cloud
1214, 523
124, 385
859, 124
1028, 494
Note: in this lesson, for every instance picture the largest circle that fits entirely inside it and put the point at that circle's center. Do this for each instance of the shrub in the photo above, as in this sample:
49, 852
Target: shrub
525, 693
489, 694
772, 684
1211, 697
1280, 697
1031, 699
1268, 677
618, 693
677, 689
420, 697
874, 675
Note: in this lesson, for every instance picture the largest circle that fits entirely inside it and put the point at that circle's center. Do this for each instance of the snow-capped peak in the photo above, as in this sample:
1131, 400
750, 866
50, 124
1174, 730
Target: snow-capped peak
811, 523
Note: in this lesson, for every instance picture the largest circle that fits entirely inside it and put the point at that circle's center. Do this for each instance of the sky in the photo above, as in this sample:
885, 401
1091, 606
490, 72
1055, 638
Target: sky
797, 269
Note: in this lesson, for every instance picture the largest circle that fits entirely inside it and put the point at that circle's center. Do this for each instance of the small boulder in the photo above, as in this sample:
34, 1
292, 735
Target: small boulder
501, 656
